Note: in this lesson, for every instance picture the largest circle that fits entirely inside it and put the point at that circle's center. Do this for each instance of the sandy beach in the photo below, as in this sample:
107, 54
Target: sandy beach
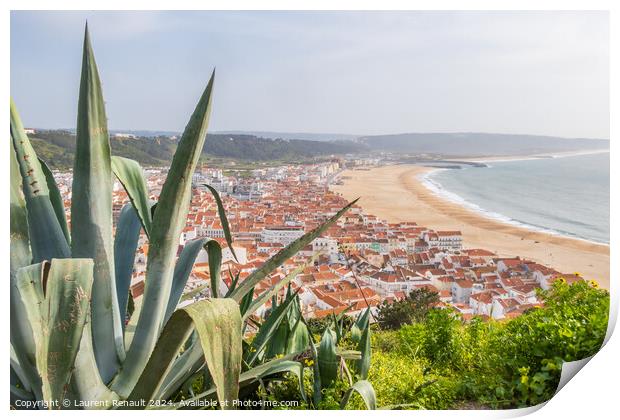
396, 194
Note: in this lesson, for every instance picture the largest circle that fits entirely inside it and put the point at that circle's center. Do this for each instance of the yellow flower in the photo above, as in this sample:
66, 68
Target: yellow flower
577, 274
562, 280
593, 284
309, 362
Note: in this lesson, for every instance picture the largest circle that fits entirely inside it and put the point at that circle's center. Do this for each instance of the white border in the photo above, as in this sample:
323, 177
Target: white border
593, 393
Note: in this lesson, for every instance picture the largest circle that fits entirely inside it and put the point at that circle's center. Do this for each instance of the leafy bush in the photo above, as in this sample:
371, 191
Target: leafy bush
403, 381
438, 339
411, 309
489, 364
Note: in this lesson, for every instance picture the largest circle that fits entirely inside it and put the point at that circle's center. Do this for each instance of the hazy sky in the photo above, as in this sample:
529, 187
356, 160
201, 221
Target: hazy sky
339, 72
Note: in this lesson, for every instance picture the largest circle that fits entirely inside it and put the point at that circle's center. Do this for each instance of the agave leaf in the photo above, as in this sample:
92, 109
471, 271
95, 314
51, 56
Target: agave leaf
17, 391
291, 336
20, 330
214, 251
130, 328
317, 396
184, 267
223, 219
91, 214
169, 218
182, 368
87, 384
17, 373
294, 313
194, 293
284, 254
274, 367
338, 324
362, 366
20, 246
328, 358
356, 334
56, 199
363, 319
365, 390
266, 332
272, 291
244, 307
298, 339
276, 346
130, 175
233, 282
47, 239
359, 325
125, 245
348, 354
256, 374
56, 296
344, 369
218, 324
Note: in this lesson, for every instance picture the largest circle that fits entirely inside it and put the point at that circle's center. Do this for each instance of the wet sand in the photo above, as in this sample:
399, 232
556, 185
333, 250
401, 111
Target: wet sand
396, 194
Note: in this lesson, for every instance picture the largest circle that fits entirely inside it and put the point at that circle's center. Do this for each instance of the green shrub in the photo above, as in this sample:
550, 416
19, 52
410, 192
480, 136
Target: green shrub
489, 364
437, 339
411, 309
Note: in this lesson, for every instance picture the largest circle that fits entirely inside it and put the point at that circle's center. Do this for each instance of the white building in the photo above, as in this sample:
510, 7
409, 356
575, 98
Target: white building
282, 234
461, 290
327, 246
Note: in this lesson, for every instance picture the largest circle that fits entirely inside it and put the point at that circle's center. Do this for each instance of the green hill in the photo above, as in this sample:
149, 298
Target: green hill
58, 146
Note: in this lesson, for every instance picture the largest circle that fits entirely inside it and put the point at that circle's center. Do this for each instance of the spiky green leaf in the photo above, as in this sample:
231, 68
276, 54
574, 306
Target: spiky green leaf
362, 366
365, 390
359, 325
188, 363
91, 214
47, 239
130, 175
233, 282
272, 291
223, 219
169, 218
185, 264
195, 292
267, 331
218, 324
21, 331
264, 371
56, 296
298, 339
328, 358
125, 245
317, 395
56, 199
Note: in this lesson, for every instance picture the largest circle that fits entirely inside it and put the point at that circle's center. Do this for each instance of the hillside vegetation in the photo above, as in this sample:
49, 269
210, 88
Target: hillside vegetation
57, 147
440, 362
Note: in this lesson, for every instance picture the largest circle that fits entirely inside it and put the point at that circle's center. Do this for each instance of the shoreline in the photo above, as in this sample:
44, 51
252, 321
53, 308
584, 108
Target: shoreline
557, 155
398, 194
436, 188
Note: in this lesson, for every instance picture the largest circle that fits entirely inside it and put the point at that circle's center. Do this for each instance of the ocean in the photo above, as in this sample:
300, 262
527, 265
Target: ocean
565, 195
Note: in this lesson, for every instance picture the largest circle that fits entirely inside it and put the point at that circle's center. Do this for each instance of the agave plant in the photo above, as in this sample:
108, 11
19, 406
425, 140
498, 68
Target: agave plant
70, 286
283, 342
